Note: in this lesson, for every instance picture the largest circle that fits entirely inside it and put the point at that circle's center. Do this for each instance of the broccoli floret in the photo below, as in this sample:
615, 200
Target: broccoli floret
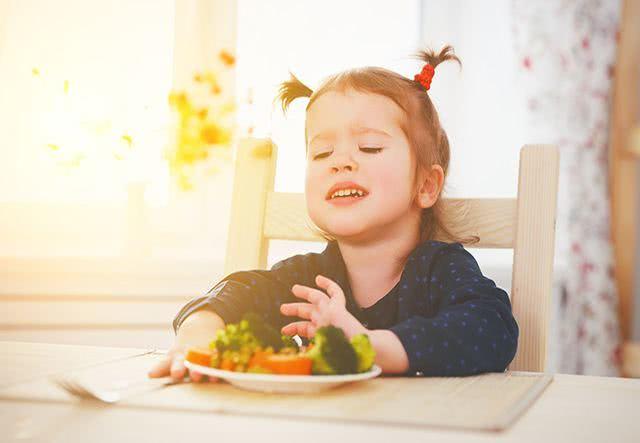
364, 351
332, 353
266, 334
250, 333
233, 337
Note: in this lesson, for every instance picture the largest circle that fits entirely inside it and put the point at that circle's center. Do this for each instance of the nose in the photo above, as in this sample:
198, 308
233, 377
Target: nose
345, 162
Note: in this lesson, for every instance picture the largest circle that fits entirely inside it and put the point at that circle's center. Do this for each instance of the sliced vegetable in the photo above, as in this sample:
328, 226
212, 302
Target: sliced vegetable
227, 364
259, 356
259, 370
290, 364
199, 356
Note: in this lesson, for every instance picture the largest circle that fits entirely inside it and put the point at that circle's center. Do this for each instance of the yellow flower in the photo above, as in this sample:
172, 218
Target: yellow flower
212, 134
227, 58
180, 101
128, 140
200, 128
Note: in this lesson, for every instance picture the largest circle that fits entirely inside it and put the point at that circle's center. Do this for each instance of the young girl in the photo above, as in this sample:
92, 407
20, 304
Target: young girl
377, 158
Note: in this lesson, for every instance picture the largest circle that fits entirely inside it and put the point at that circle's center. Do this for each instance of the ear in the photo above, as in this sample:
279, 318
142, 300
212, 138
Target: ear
430, 186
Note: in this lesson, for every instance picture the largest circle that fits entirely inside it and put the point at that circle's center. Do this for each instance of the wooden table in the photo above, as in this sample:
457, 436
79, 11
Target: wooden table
572, 408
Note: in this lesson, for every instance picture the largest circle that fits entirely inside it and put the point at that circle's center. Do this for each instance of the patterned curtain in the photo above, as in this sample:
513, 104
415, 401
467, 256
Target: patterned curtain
566, 51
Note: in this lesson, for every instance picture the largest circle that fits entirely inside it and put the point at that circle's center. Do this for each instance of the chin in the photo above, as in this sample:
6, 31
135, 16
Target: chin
346, 231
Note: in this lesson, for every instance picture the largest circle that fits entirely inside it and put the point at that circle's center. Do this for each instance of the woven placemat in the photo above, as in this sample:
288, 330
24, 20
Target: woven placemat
489, 402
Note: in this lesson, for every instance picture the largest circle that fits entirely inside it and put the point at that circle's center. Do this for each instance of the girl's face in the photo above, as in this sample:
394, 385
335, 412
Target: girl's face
355, 142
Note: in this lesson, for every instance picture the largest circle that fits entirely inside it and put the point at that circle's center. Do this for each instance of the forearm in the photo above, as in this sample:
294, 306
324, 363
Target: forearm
199, 328
390, 353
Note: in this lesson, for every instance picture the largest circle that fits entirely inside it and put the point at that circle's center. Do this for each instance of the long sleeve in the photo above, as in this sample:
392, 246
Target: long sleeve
259, 291
467, 326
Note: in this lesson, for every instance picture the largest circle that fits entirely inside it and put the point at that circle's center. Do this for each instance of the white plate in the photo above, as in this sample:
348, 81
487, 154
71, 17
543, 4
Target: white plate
287, 384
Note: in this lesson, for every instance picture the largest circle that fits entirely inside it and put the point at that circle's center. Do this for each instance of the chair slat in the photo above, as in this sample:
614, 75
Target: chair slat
493, 220
286, 218
533, 254
254, 178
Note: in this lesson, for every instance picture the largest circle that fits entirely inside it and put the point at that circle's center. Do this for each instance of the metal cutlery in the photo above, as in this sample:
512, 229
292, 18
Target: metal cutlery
114, 393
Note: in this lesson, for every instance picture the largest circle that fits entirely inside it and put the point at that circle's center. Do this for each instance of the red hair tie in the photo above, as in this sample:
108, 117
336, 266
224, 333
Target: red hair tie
425, 76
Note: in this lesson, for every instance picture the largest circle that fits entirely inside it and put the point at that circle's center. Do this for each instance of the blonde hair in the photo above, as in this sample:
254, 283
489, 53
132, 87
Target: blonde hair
422, 127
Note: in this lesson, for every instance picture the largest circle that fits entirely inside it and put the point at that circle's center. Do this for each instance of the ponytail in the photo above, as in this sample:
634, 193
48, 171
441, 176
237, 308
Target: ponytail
446, 53
291, 90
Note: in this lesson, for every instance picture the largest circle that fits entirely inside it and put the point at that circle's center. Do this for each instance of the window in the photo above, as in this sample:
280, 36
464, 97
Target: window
86, 199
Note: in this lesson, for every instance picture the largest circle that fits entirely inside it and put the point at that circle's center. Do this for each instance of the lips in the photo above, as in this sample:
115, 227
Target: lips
344, 185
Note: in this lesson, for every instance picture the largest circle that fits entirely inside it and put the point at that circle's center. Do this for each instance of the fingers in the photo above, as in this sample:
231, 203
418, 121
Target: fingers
333, 289
161, 369
197, 377
301, 328
310, 294
174, 365
302, 310
178, 370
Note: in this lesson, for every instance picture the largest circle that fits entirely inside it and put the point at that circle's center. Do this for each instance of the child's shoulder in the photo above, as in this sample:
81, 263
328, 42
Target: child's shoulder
308, 259
435, 248
435, 253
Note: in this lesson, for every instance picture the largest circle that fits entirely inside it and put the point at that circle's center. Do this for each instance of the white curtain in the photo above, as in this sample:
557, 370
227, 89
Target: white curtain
540, 72
566, 54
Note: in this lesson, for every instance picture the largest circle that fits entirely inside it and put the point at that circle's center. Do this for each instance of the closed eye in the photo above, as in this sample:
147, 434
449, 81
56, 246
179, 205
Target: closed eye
371, 150
363, 149
321, 155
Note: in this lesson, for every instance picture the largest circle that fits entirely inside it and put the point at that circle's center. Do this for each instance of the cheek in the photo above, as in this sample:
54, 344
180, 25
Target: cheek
394, 181
311, 182
312, 190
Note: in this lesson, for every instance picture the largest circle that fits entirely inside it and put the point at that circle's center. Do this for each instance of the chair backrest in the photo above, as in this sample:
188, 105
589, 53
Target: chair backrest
526, 224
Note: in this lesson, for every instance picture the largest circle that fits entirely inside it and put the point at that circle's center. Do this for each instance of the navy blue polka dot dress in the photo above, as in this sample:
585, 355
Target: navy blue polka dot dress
450, 318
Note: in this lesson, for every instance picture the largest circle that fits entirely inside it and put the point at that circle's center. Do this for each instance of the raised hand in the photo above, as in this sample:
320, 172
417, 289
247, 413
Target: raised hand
324, 308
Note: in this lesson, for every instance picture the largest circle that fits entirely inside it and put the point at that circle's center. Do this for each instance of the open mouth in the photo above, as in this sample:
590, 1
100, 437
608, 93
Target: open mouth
347, 197
348, 194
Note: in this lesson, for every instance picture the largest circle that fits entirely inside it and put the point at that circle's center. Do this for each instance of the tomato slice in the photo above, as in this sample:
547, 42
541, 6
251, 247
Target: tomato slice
258, 358
290, 364
199, 356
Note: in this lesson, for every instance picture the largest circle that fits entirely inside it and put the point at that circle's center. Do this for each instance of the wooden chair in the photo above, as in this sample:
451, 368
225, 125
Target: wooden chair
624, 187
526, 224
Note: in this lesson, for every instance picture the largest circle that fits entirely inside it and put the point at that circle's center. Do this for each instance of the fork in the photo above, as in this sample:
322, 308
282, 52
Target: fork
111, 395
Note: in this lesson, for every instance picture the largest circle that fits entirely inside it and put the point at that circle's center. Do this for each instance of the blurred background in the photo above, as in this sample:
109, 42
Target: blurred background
118, 121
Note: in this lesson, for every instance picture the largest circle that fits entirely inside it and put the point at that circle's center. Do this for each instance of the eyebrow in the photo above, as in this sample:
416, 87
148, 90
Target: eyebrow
355, 130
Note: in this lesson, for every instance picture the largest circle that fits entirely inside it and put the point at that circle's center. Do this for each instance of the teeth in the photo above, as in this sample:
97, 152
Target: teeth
345, 192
